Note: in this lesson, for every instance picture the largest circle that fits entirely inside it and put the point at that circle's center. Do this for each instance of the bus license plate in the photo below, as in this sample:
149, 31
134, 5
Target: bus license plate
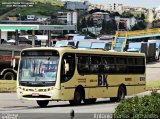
35, 94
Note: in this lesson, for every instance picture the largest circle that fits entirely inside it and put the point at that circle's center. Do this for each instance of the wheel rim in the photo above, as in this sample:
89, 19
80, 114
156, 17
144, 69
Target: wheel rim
9, 76
78, 96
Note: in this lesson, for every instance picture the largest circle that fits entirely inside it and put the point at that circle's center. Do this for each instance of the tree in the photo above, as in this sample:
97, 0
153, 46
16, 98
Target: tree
83, 23
139, 26
114, 14
97, 10
142, 16
90, 22
127, 14
109, 27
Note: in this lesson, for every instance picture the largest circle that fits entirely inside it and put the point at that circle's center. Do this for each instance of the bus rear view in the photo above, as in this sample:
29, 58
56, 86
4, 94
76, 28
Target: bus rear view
38, 75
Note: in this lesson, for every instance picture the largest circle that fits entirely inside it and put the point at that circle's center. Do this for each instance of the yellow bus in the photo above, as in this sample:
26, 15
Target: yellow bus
76, 75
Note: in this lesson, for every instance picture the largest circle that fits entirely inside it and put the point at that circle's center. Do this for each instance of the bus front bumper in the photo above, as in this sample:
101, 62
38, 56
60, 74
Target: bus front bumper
43, 94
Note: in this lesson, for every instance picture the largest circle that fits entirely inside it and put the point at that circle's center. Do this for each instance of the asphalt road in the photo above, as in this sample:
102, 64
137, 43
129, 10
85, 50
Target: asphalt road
9, 104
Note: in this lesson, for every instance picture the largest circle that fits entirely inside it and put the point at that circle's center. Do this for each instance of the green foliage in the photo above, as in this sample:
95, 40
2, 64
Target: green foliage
83, 23
142, 17
113, 14
139, 26
41, 7
109, 27
127, 14
136, 108
90, 22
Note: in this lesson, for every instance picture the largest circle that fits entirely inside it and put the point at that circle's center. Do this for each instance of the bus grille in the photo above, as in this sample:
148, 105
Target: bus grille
40, 96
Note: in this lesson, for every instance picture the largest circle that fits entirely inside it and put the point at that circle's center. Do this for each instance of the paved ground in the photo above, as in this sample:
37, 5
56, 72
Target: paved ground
9, 103
10, 106
55, 110
153, 71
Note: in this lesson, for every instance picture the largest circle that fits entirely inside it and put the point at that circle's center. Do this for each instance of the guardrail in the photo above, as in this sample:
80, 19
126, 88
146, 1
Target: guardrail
138, 32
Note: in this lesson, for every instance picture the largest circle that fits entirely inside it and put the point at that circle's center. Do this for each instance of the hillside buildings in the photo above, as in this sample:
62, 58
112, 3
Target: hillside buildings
68, 18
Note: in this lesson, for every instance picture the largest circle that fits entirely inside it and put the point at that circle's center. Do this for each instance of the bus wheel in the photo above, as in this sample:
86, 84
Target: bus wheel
120, 96
78, 96
9, 76
89, 101
42, 103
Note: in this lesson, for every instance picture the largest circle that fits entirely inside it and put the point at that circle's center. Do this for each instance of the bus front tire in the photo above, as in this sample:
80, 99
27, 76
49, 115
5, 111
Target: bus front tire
42, 103
89, 101
78, 96
9, 76
120, 96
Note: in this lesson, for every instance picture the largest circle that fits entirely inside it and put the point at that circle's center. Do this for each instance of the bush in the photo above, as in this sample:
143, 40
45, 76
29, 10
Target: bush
136, 108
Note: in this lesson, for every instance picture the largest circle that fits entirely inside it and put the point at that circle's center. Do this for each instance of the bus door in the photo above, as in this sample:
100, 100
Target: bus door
67, 71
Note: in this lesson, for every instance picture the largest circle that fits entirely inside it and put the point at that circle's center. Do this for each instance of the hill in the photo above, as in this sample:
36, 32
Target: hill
37, 7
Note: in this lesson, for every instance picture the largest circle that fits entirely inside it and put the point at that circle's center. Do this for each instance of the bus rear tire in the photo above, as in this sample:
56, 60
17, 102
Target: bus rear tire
42, 103
9, 76
78, 96
90, 101
120, 96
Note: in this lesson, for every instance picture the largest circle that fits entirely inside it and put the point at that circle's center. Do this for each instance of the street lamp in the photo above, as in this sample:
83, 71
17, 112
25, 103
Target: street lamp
20, 17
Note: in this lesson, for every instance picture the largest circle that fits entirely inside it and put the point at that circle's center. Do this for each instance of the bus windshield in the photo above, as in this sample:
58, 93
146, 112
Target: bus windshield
38, 69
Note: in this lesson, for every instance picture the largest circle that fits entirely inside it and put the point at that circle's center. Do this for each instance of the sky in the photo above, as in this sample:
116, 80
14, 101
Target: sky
137, 3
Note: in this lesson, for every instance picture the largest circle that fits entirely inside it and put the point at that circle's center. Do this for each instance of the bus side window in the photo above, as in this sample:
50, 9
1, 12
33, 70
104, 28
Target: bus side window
70, 60
121, 65
83, 64
95, 66
140, 65
109, 64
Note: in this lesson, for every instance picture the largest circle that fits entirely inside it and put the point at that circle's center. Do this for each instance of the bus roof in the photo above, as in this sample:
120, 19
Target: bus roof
85, 51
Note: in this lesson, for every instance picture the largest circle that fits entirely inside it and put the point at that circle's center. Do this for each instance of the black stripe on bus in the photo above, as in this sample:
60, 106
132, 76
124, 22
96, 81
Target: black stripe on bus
106, 86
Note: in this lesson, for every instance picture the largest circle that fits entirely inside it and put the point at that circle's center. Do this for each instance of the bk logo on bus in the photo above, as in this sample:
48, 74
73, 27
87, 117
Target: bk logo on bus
102, 80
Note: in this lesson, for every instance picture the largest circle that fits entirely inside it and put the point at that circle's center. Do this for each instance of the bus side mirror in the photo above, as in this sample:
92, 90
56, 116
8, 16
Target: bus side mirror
66, 67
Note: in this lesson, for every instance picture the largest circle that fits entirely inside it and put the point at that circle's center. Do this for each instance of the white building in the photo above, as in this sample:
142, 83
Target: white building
110, 7
94, 30
98, 17
69, 18
72, 18
150, 16
114, 7
75, 5
128, 22
157, 13
42, 18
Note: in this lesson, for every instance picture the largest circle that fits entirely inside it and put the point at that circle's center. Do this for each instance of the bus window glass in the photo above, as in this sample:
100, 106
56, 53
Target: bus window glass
108, 60
121, 60
131, 61
95, 64
139, 61
83, 64
109, 64
121, 65
39, 68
